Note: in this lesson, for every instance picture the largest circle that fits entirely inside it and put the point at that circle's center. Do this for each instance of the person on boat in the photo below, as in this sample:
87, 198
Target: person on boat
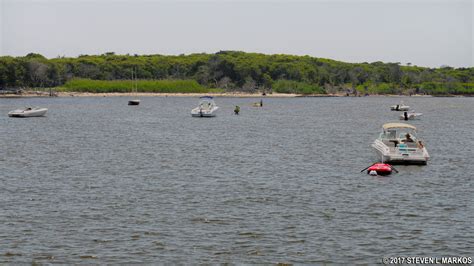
397, 108
405, 115
237, 110
408, 138
419, 144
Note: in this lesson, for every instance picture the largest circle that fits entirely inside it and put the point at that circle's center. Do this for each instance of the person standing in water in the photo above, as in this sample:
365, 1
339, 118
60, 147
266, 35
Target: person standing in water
237, 110
261, 103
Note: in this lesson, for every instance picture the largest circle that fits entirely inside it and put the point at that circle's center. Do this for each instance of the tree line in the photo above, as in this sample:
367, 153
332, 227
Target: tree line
239, 71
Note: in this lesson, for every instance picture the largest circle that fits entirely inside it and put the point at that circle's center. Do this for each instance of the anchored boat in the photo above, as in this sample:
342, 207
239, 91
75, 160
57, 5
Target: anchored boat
400, 107
398, 144
259, 104
206, 108
134, 102
28, 112
410, 116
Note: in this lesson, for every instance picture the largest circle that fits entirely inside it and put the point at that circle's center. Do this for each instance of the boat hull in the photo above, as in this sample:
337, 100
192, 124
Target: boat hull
400, 108
30, 113
196, 112
395, 156
134, 102
411, 116
203, 114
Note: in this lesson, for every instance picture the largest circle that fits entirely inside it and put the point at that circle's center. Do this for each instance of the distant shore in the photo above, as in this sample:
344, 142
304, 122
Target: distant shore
153, 94
148, 94
31, 94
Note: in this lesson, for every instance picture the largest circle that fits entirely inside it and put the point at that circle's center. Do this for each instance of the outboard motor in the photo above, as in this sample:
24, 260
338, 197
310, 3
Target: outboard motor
405, 114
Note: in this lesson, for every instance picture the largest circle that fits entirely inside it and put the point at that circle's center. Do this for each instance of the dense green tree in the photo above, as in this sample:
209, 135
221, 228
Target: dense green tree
234, 70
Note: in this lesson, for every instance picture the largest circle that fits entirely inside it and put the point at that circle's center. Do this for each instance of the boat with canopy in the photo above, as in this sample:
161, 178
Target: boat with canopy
206, 108
399, 143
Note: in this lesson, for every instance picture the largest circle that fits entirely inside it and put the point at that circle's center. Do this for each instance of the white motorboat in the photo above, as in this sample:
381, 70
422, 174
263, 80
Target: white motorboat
400, 107
398, 143
410, 116
28, 112
207, 108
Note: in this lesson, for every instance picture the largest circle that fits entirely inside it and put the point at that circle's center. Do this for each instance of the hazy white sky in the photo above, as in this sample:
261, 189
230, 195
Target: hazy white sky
425, 33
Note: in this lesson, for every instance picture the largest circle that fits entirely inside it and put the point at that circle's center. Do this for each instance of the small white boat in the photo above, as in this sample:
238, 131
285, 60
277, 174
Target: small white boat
400, 107
207, 108
410, 116
134, 102
259, 104
28, 112
398, 143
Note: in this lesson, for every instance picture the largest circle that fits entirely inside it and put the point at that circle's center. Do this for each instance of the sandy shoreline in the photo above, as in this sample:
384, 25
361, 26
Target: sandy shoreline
151, 94
225, 94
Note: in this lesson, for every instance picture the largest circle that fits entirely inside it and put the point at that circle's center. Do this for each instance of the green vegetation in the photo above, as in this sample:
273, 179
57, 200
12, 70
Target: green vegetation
438, 88
290, 86
164, 86
377, 88
230, 71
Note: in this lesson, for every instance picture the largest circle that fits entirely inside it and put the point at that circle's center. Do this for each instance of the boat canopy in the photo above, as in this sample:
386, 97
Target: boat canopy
397, 125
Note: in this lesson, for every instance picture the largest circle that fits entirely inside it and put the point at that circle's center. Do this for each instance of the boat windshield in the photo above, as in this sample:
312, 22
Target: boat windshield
398, 134
206, 103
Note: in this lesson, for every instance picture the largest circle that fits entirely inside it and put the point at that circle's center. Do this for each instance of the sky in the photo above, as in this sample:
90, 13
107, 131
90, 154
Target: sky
421, 32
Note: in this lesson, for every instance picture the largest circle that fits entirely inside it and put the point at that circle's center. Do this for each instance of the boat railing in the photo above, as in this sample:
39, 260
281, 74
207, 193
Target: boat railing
381, 145
405, 149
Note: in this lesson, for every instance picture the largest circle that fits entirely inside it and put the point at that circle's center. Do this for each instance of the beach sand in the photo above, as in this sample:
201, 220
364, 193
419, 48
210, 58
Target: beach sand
155, 94
145, 94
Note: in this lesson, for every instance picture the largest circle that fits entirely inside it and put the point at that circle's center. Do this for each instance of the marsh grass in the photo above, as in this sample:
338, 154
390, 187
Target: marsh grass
159, 86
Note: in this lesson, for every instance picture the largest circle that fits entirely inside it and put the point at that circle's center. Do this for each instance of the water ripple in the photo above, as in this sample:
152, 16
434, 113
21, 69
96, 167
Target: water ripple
96, 182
